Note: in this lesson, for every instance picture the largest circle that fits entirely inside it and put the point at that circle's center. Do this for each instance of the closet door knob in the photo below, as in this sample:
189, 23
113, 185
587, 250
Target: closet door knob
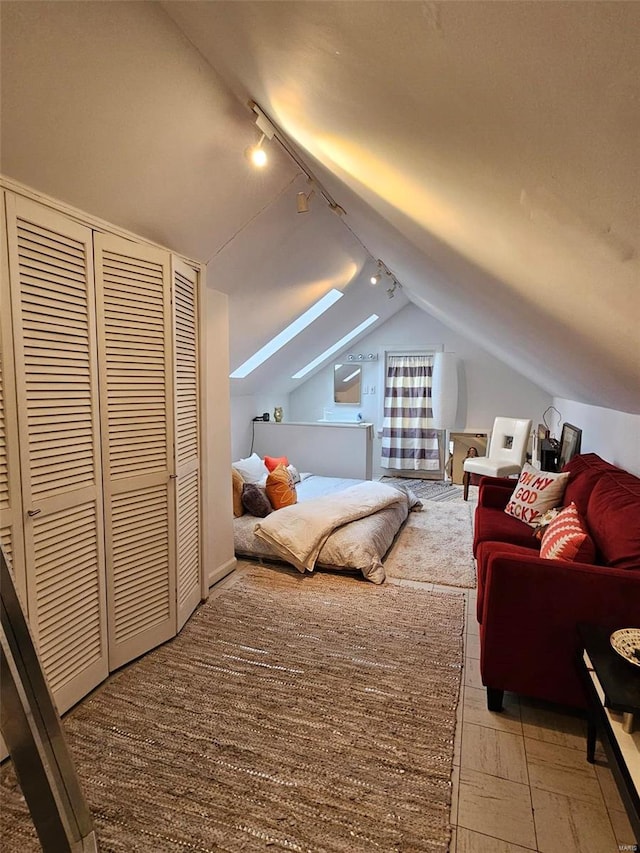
173, 476
32, 512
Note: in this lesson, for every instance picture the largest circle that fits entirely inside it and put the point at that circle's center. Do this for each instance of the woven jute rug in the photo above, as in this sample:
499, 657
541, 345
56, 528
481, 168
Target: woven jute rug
435, 546
302, 713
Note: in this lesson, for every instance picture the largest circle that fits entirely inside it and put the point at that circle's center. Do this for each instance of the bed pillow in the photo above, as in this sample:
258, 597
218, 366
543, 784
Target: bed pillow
567, 538
272, 462
255, 501
294, 473
252, 469
237, 483
280, 489
535, 493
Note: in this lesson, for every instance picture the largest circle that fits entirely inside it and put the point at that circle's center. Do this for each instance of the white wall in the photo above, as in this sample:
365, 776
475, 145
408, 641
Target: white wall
487, 386
615, 436
243, 410
218, 549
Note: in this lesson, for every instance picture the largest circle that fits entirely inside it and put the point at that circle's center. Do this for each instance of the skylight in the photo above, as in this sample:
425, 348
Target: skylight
287, 334
337, 346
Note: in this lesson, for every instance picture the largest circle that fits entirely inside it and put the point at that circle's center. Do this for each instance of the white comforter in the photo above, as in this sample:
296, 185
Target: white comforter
297, 533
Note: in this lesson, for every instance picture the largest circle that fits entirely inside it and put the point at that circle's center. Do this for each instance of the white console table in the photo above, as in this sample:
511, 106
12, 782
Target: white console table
330, 449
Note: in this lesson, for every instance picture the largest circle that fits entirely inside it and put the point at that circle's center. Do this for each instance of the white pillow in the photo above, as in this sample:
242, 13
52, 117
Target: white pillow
294, 473
252, 469
535, 493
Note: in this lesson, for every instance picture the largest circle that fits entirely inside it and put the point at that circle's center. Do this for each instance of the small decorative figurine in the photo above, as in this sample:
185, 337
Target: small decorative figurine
277, 414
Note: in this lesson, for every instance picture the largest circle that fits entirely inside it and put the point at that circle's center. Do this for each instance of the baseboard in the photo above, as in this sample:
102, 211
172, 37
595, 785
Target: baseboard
221, 571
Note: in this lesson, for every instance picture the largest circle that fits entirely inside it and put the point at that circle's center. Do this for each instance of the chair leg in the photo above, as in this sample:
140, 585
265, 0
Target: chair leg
466, 479
494, 699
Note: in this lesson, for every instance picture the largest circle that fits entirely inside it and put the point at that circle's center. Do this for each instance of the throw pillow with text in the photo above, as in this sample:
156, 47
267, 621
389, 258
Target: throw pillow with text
535, 493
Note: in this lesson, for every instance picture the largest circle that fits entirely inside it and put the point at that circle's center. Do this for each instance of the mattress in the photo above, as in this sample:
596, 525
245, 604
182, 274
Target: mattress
357, 546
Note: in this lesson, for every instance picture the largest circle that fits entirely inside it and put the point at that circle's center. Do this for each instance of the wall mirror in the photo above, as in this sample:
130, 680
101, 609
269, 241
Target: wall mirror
346, 383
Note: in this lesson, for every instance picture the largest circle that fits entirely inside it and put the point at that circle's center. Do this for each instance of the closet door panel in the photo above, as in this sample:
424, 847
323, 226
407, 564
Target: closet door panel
187, 444
134, 318
51, 274
11, 534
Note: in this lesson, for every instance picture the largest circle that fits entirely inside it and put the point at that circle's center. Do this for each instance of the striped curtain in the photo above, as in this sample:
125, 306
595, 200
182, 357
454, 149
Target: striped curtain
409, 442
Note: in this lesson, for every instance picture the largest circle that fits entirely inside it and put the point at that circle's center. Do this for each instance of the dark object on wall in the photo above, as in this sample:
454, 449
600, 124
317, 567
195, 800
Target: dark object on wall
265, 416
570, 441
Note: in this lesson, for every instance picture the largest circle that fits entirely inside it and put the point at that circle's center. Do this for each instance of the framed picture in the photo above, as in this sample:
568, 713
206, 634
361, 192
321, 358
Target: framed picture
570, 440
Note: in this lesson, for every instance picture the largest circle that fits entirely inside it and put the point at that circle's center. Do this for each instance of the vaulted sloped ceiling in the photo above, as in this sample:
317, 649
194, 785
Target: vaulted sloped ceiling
487, 152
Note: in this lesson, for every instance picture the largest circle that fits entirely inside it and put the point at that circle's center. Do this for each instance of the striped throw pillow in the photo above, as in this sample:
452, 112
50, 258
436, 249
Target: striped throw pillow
567, 538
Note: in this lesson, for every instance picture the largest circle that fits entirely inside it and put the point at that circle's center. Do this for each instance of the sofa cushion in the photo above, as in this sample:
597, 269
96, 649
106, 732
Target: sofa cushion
493, 524
584, 472
612, 518
567, 538
535, 493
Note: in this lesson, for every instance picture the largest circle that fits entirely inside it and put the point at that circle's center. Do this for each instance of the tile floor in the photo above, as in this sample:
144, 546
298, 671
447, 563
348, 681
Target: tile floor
521, 780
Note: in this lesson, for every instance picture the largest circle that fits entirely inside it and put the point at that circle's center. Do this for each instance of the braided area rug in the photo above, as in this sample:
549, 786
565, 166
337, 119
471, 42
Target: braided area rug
302, 713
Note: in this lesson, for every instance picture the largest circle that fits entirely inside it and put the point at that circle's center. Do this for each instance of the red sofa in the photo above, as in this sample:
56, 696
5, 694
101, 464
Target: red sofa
529, 607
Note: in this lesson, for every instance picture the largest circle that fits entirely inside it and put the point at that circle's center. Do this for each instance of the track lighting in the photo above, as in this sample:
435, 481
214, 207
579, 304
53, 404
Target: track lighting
302, 201
256, 153
377, 278
383, 270
271, 131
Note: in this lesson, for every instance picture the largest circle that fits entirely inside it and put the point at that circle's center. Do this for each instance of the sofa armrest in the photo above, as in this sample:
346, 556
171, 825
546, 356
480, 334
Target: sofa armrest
495, 496
531, 610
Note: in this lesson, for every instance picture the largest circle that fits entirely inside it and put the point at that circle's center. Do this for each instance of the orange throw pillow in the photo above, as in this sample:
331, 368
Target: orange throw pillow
567, 538
272, 462
237, 484
280, 489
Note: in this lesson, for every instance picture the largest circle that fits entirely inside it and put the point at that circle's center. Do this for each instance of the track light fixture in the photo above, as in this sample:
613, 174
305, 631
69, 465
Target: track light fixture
377, 278
256, 153
258, 156
302, 201
271, 131
383, 270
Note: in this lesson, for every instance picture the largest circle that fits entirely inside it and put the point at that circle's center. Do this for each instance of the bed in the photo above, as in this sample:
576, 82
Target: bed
345, 524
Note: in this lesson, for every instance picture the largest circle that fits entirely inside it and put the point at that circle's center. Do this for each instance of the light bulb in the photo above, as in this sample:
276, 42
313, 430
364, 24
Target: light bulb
258, 156
375, 279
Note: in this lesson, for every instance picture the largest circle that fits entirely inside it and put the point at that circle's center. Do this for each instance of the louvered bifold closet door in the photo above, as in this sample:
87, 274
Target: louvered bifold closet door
11, 535
187, 440
134, 320
54, 328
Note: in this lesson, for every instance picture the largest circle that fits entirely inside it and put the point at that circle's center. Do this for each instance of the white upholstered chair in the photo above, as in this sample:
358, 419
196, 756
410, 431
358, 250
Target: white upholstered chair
507, 451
